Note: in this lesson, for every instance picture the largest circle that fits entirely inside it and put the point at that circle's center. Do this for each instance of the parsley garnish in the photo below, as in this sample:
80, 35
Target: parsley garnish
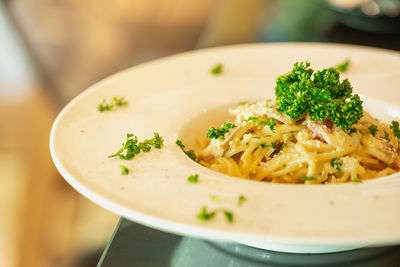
103, 106
337, 163
395, 128
396, 132
273, 145
193, 178
241, 200
271, 123
387, 136
190, 153
353, 130
320, 95
255, 119
243, 103
284, 165
342, 67
355, 180
214, 198
228, 216
124, 170
217, 69
156, 142
307, 178
204, 215
179, 143
131, 147
220, 132
115, 101
373, 129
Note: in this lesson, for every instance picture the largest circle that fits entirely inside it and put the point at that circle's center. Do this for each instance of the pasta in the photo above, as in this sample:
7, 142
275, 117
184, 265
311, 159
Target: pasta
266, 145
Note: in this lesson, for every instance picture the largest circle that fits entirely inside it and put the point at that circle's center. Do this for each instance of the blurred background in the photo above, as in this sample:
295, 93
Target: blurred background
51, 50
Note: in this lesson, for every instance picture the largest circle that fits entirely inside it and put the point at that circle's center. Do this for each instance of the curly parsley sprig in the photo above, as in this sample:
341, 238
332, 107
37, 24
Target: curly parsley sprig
132, 146
190, 153
219, 133
321, 95
115, 102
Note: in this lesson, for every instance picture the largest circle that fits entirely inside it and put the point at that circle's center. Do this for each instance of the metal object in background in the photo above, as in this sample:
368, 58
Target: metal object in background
378, 16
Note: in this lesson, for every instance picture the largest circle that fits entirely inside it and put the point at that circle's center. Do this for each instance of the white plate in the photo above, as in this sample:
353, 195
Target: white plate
179, 98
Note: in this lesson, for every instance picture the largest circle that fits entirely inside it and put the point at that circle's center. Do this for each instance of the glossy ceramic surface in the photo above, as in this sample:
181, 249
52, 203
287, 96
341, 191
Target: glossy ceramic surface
179, 98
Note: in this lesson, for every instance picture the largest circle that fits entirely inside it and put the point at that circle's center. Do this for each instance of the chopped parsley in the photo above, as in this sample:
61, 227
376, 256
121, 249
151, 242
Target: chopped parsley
396, 132
271, 123
132, 146
157, 142
241, 200
190, 153
194, 178
395, 128
217, 69
124, 170
243, 103
307, 178
337, 163
284, 165
352, 130
355, 180
273, 145
228, 216
214, 198
115, 101
342, 67
255, 119
179, 143
373, 129
387, 136
220, 132
204, 215
103, 106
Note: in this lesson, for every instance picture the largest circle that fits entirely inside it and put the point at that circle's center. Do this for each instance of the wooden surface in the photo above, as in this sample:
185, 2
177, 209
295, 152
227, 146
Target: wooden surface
72, 44
44, 221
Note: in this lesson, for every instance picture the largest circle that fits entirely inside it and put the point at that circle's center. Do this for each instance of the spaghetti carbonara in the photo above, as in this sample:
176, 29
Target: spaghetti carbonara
263, 144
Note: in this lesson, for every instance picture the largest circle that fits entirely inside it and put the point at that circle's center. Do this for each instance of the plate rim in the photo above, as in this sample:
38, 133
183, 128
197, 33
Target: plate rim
155, 222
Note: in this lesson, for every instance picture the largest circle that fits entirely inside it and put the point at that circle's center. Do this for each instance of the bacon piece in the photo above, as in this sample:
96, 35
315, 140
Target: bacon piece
320, 130
379, 148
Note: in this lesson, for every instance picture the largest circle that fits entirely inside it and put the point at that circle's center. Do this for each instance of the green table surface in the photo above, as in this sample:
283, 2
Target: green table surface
136, 245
